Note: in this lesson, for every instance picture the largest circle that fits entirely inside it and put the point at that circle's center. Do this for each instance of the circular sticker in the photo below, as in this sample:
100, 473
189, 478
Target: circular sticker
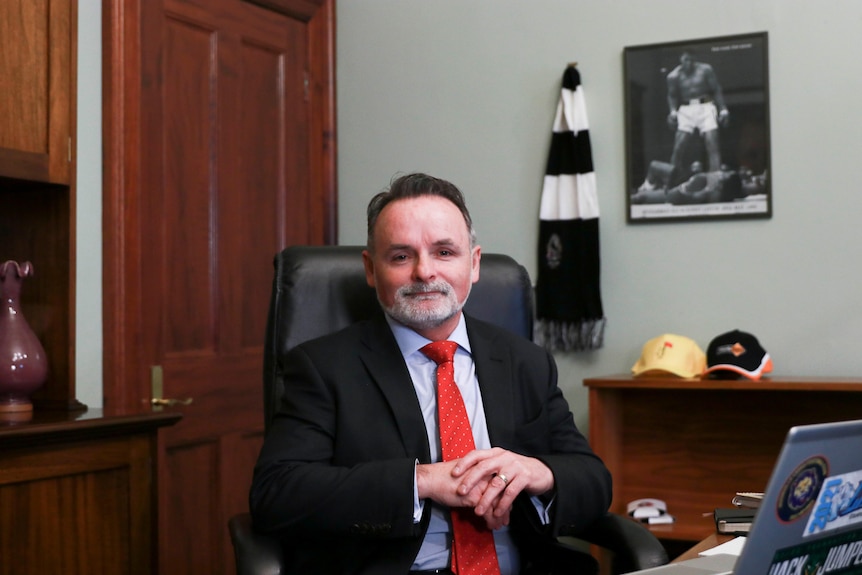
801, 488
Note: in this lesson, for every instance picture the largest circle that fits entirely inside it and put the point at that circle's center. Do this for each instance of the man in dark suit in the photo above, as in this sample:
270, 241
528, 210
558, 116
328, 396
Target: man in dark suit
351, 472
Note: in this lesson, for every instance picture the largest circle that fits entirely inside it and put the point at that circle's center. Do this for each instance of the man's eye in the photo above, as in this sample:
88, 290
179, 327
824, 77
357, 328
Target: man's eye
445, 253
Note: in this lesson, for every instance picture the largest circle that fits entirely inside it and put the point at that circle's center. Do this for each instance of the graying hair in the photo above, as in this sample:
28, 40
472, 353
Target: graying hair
415, 186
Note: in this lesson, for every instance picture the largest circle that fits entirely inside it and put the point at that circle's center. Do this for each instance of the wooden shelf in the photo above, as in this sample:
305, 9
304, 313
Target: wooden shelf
38, 41
41, 428
695, 442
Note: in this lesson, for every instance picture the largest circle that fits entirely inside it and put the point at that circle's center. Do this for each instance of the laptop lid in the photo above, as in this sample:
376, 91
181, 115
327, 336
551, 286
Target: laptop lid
810, 520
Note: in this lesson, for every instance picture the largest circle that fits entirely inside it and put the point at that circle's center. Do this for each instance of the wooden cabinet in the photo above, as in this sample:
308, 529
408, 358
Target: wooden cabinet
78, 493
37, 100
38, 47
694, 443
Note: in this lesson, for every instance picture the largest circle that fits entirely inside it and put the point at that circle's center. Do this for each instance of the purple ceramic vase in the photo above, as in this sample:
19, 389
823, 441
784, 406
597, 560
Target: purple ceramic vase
23, 365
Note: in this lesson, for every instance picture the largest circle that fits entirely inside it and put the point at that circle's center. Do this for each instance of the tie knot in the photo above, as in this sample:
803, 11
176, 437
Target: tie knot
440, 351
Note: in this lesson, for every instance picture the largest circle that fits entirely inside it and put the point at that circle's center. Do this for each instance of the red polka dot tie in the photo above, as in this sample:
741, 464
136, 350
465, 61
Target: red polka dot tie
473, 550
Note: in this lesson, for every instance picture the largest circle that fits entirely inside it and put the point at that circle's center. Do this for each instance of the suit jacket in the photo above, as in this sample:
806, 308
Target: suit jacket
335, 475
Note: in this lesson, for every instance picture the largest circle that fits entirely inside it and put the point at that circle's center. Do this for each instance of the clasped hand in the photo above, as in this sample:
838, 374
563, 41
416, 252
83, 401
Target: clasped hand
487, 480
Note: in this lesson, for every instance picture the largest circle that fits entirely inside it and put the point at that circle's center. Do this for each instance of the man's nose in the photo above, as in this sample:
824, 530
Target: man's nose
424, 269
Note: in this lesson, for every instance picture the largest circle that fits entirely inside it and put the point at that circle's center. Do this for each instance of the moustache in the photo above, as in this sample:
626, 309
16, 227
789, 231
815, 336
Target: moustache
424, 288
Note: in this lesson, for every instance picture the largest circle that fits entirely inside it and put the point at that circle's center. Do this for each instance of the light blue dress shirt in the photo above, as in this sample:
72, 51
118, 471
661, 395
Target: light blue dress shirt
434, 553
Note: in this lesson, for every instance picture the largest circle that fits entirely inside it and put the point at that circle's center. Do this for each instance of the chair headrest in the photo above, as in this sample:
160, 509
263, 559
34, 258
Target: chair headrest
321, 289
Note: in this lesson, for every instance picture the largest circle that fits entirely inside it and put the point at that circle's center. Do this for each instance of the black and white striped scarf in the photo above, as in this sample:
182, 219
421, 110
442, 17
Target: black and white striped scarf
568, 299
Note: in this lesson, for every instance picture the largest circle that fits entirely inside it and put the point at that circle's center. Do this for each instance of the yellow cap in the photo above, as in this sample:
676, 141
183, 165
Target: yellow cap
674, 354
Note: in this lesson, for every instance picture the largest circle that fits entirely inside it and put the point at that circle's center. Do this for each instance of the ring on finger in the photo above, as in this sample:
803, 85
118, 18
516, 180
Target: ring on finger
504, 478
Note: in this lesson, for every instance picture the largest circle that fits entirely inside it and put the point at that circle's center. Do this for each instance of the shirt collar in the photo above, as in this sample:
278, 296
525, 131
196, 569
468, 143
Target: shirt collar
410, 342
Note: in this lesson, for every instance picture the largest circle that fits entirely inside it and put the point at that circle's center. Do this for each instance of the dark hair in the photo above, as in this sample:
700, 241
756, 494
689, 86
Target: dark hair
414, 186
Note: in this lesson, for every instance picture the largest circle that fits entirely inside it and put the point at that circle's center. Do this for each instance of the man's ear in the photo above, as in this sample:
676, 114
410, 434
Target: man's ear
369, 268
477, 257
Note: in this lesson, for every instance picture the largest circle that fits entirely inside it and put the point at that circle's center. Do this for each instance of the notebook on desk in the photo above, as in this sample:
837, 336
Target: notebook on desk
810, 521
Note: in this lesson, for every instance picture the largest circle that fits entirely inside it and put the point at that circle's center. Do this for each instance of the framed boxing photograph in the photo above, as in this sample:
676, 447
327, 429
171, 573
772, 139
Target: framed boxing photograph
697, 130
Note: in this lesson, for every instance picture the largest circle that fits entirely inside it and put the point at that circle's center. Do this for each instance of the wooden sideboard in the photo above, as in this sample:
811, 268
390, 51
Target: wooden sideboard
695, 442
78, 493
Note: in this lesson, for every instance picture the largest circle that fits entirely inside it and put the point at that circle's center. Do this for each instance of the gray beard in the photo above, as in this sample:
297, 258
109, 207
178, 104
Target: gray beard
408, 312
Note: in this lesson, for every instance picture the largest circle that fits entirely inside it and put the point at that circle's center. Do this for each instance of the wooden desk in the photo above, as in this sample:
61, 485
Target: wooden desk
78, 493
694, 443
711, 541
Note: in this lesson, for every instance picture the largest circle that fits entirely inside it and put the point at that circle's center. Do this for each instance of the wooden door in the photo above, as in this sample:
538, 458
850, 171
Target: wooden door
234, 161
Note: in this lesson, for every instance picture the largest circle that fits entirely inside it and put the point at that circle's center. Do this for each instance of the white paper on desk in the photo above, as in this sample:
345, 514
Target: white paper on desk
732, 547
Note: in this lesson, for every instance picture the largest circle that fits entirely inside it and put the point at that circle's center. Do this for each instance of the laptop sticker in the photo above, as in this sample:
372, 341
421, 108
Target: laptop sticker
839, 554
800, 490
839, 504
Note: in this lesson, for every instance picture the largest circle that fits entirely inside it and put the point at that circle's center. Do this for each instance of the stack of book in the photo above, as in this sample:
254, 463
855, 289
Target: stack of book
748, 499
737, 520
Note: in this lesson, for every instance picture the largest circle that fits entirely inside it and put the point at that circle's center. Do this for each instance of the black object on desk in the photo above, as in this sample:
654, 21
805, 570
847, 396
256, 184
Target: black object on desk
734, 520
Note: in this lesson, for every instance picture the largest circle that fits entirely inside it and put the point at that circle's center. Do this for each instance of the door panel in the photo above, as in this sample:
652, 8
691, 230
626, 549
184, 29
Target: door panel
183, 197
270, 94
195, 513
228, 159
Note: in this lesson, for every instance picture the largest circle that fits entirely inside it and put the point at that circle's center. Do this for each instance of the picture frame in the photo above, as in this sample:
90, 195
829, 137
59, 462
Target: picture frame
697, 130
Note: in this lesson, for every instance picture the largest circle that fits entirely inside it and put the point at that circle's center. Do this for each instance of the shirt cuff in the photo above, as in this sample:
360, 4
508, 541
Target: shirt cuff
418, 506
543, 509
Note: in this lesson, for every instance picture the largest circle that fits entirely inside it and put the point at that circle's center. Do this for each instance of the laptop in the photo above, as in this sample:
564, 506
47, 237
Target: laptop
810, 520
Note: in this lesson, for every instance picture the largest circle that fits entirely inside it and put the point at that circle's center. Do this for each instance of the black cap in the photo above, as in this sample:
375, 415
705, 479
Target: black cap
736, 354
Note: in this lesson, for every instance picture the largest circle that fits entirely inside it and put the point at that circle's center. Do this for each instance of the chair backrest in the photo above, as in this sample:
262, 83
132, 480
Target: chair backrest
320, 289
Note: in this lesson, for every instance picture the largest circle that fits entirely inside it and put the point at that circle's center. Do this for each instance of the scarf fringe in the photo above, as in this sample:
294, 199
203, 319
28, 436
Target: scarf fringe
585, 335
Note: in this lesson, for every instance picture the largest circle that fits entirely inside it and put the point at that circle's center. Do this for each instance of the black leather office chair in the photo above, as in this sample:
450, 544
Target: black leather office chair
317, 290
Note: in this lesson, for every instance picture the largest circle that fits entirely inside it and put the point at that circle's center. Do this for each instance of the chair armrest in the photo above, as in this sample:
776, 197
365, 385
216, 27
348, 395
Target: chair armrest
256, 554
633, 545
